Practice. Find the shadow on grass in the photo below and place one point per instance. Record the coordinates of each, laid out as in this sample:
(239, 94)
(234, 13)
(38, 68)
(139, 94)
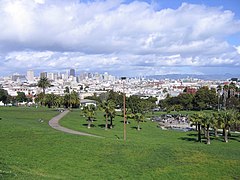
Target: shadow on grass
(86, 125)
(188, 139)
(127, 122)
(135, 127)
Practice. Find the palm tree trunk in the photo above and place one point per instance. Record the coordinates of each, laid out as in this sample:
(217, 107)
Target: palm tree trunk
(225, 135)
(89, 123)
(111, 122)
(204, 132)
(215, 132)
(138, 127)
(208, 137)
(106, 125)
(199, 132)
(229, 131)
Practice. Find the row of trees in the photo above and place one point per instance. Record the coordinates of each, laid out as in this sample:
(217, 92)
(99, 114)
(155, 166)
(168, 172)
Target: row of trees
(136, 108)
(53, 100)
(7, 99)
(223, 98)
(225, 120)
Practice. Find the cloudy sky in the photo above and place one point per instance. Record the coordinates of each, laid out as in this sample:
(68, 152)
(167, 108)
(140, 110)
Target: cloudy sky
(122, 37)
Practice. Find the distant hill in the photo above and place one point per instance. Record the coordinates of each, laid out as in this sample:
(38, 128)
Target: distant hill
(203, 77)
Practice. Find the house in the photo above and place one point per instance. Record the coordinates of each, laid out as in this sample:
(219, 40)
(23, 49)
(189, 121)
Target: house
(86, 102)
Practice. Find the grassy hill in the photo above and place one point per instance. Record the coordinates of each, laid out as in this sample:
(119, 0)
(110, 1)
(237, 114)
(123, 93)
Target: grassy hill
(30, 149)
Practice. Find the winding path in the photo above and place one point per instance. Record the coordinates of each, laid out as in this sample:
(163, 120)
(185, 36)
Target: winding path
(54, 123)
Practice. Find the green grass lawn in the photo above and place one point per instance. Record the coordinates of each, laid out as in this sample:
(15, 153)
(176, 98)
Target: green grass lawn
(30, 149)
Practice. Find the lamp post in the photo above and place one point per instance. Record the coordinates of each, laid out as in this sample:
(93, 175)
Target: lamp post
(124, 111)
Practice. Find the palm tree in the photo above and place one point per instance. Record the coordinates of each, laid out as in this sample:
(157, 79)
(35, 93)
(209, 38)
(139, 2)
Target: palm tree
(225, 96)
(89, 112)
(207, 122)
(67, 99)
(74, 99)
(215, 123)
(227, 118)
(109, 108)
(50, 100)
(196, 119)
(40, 99)
(219, 90)
(59, 101)
(43, 83)
(139, 118)
(112, 114)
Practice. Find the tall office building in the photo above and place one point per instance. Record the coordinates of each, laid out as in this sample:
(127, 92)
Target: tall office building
(30, 75)
(72, 72)
(43, 75)
(50, 76)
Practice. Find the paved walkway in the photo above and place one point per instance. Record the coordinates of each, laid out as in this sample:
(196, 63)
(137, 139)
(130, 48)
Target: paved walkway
(54, 123)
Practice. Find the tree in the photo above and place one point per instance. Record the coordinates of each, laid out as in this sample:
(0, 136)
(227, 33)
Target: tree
(59, 101)
(219, 90)
(109, 108)
(21, 97)
(74, 99)
(43, 83)
(50, 100)
(89, 112)
(196, 119)
(227, 118)
(40, 99)
(215, 122)
(206, 123)
(139, 118)
(67, 100)
(4, 96)
(205, 98)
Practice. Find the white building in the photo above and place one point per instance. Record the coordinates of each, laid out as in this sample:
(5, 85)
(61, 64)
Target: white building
(30, 75)
(50, 76)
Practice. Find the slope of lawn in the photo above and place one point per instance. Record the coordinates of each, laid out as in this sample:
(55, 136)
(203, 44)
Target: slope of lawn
(30, 149)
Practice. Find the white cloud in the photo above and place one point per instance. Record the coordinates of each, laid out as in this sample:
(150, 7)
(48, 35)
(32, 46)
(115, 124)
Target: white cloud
(60, 34)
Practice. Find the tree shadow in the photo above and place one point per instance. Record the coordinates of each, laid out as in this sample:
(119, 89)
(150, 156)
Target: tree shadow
(86, 125)
(235, 138)
(188, 139)
(127, 122)
(102, 125)
(135, 127)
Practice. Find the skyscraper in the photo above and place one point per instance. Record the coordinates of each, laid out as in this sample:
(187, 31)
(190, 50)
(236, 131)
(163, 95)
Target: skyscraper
(30, 75)
(43, 75)
(72, 72)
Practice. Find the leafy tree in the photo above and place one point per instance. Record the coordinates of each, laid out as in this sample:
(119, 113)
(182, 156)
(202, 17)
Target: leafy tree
(67, 90)
(205, 98)
(21, 97)
(3, 96)
(185, 100)
(43, 83)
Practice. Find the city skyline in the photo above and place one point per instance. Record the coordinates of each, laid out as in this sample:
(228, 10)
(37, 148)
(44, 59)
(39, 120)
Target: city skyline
(124, 38)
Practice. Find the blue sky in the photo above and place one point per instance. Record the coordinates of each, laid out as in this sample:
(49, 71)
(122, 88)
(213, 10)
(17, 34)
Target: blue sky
(131, 38)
